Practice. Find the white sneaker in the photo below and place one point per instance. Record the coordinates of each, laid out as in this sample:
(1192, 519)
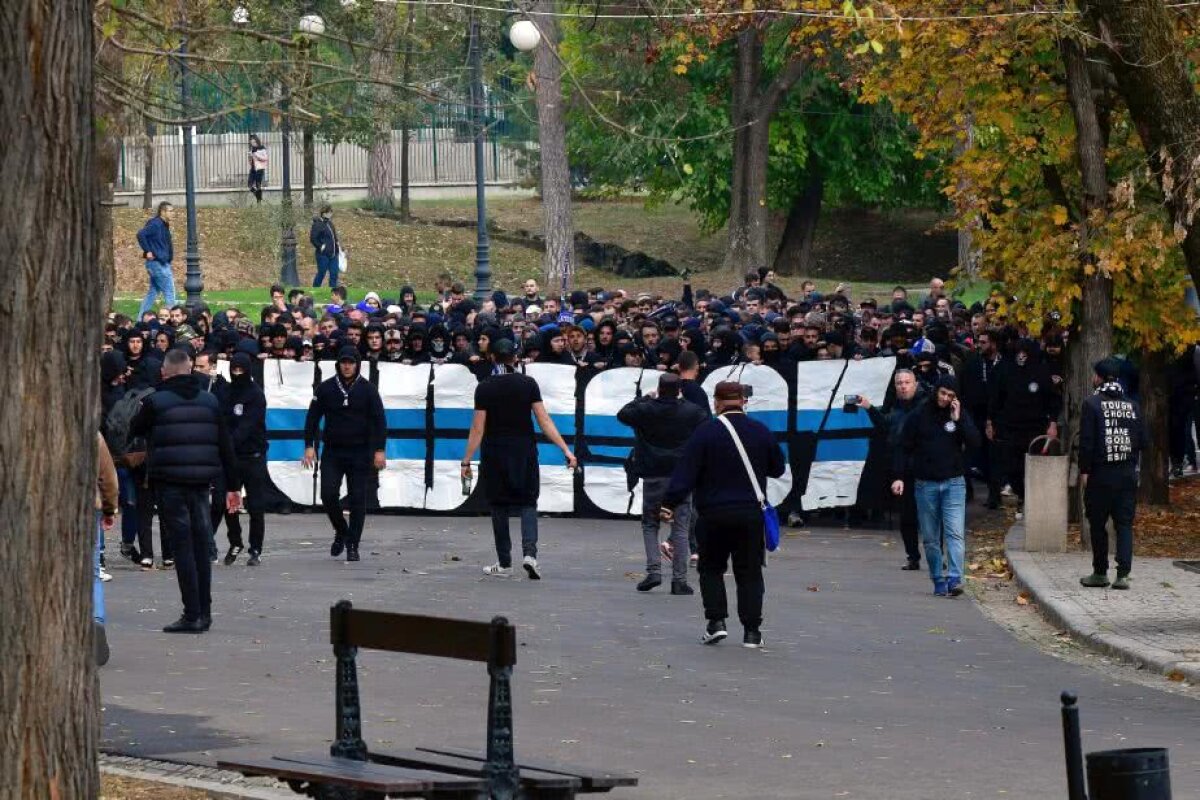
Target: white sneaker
(1007, 491)
(1020, 516)
(147, 563)
(497, 571)
(531, 568)
(105, 576)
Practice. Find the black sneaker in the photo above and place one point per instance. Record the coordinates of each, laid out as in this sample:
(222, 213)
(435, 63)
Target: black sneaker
(184, 625)
(131, 552)
(352, 553)
(337, 547)
(168, 563)
(681, 587)
(912, 565)
(254, 560)
(205, 622)
(235, 550)
(752, 639)
(649, 582)
(715, 632)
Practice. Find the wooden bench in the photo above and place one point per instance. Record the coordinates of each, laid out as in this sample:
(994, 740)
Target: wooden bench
(351, 772)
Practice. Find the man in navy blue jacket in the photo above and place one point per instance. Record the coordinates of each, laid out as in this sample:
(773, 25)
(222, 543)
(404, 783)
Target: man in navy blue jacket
(155, 241)
(730, 521)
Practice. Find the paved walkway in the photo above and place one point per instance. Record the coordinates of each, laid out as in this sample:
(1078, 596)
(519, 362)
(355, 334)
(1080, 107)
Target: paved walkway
(869, 687)
(1156, 623)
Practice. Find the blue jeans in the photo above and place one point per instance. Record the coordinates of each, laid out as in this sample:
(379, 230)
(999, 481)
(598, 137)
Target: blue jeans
(942, 513)
(127, 492)
(97, 586)
(161, 281)
(529, 532)
(327, 265)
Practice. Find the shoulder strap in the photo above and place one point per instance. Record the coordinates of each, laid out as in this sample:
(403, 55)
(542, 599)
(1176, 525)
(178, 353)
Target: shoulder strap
(737, 442)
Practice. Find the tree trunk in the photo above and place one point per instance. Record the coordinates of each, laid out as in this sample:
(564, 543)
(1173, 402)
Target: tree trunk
(379, 156)
(148, 167)
(1092, 338)
(310, 165)
(1151, 66)
(552, 140)
(794, 256)
(109, 116)
(752, 108)
(49, 698)
(1154, 488)
(405, 128)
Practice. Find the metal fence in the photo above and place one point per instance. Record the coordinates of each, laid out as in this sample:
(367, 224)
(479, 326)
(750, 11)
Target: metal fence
(439, 154)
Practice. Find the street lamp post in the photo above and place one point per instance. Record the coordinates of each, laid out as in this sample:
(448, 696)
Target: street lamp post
(288, 274)
(194, 283)
(483, 266)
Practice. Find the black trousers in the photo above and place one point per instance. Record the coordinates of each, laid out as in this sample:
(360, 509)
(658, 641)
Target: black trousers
(1018, 441)
(909, 527)
(355, 465)
(183, 515)
(1118, 503)
(733, 533)
(146, 499)
(255, 477)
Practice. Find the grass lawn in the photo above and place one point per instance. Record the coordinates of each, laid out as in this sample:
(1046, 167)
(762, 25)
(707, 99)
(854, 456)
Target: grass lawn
(239, 249)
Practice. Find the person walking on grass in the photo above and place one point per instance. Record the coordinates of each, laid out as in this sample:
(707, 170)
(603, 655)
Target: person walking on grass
(1111, 438)
(154, 239)
(502, 429)
(730, 524)
(324, 238)
(931, 454)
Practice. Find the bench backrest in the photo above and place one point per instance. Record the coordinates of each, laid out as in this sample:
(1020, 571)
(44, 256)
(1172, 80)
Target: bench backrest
(494, 643)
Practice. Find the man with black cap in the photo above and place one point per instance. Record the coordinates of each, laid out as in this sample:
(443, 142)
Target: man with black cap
(245, 410)
(1111, 437)
(662, 423)
(354, 438)
(931, 451)
(189, 449)
(730, 525)
(509, 459)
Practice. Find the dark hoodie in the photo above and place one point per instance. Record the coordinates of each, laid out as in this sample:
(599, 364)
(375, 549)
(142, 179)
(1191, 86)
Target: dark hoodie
(189, 444)
(414, 354)
(1024, 396)
(245, 410)
(606, 353)
(1112, 436)
(112, 366)
(352, 411)
(726, 349)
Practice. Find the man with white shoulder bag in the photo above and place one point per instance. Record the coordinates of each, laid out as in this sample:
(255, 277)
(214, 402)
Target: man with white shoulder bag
(732, 508)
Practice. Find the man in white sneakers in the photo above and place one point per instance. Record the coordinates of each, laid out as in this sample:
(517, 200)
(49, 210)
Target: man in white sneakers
(508, 464)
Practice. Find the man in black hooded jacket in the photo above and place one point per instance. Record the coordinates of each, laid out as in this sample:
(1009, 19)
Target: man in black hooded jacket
(1025, 403)
(245, 409)
(354, 437)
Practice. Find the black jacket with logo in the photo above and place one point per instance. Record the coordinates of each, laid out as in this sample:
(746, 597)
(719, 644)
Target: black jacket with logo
(1111, 438)
(931, 444)
(663, 427)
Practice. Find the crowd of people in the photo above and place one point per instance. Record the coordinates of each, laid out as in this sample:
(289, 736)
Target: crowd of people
(989, 386)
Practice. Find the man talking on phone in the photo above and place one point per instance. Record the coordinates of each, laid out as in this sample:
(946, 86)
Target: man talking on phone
(931, 453)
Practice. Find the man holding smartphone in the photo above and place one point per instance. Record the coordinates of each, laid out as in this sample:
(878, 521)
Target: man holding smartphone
(932, 446)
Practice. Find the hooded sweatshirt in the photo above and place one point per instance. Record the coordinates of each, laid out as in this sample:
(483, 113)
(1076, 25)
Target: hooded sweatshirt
(245, 410)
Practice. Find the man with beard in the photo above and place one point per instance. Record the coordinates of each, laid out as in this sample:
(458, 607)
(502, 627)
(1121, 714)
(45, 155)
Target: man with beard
(931, 451)
(245, 411)
(662, 423)
(394, 346)
(1111, 438)
(509, 459)
(909, 395)
(354, 438)
(1024, 405)
(190, 448)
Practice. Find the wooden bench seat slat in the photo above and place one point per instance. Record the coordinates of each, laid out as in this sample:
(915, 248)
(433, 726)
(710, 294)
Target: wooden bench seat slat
(592, 779)
(435, 780)
(344, 773)
(530, 779)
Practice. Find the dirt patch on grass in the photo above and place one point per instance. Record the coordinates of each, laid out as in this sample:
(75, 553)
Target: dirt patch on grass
(117, 787)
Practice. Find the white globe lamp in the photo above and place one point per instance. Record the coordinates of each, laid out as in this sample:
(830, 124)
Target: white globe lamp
(524, 35)
(312, 25)
(241, 15)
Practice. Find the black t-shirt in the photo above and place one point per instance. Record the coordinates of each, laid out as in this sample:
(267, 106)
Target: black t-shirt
(508, 400)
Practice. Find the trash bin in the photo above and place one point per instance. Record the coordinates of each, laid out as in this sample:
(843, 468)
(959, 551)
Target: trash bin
(1134, 774)
(1046, 472)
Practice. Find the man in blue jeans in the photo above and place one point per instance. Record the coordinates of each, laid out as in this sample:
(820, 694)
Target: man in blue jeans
(932, 447)
(155, 241)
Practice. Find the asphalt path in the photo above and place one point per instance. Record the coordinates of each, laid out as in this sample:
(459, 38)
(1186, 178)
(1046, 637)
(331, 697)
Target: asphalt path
(868, 686)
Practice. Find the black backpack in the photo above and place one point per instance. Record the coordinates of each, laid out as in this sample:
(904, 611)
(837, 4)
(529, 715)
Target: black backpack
(118, 421)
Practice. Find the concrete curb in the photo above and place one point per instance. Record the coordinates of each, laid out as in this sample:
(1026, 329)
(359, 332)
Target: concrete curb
(1081, 626)
(218, 784)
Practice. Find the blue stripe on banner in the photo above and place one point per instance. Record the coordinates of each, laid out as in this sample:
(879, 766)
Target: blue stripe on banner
(450, 450)
(564, 422)
(446, 418)
(775, 420)
(809, 419)
(609, 451)
(843, 449)
(285, 450)
(549, 455)
(405, 419)
(286, 419)
(406, 449)
(597, 425)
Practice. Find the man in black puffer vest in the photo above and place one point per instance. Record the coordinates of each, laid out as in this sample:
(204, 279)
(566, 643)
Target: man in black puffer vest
(189, 449)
